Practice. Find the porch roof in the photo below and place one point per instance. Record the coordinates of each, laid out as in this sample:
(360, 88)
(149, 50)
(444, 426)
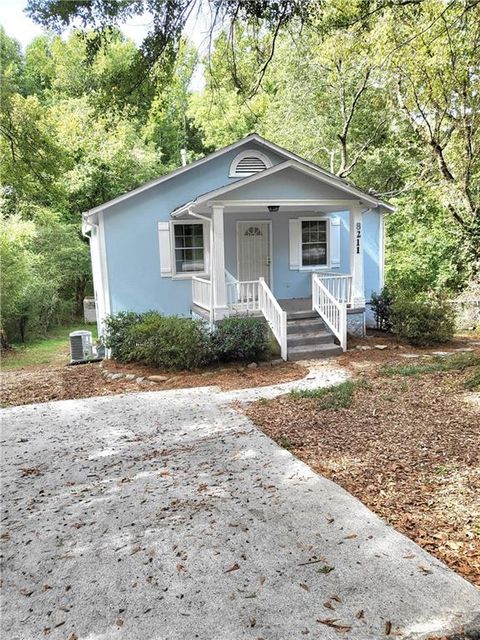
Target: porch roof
(203, 203)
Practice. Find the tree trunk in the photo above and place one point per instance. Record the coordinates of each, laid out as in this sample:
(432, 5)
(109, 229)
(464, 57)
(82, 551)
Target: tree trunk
(3, 341)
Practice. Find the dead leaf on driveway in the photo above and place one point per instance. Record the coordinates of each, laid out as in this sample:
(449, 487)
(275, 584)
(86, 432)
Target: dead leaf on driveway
(234, 567)
(341, 628)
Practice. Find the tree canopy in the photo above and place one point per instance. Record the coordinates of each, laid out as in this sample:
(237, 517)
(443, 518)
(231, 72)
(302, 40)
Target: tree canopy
(384, 93)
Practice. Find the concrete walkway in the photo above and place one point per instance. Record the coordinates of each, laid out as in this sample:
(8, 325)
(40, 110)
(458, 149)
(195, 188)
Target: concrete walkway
(168, 515)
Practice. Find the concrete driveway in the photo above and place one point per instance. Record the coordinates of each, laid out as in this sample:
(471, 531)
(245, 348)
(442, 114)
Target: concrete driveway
(168, 515)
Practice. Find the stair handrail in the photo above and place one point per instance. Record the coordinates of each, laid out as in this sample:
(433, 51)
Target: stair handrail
(332, 311)
(274, 315)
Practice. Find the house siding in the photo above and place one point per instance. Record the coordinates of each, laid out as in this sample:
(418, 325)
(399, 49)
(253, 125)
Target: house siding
(286, 283)
(131, 238)
(132, 246)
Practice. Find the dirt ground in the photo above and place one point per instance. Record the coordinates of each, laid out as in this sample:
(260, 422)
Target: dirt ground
(43, 384)
(408, 447)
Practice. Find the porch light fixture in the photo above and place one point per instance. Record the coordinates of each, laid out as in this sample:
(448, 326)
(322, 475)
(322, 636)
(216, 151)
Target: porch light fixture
(273, 208)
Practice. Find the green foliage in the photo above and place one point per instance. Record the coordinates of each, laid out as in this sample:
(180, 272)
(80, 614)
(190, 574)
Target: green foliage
(118, 335)
(284, 442)
(241, 339)
(171, 342)
(167, 342)
(381, 304)
(424, 249)
(472, 383)
(455, 362)
(44, 265)
(67, 145)
(339, 396)
(422, 321)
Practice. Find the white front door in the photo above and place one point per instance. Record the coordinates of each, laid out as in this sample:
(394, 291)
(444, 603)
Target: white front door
(254, 256)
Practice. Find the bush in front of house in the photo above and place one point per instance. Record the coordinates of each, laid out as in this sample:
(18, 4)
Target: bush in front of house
(173, 342)
(170, 342)
(118, 336)
(422, 321)
(242, 338)
(381, 304)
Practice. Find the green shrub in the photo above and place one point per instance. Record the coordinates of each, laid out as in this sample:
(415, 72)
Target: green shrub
(381, 304)
(240, 339)
(118, 336)
(168, 342)
(422, 322)
(171, 342)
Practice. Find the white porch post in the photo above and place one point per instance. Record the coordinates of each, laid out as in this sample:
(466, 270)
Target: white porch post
(218, 264)
(356, 256)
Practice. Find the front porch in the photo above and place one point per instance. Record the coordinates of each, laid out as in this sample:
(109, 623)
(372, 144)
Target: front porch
(295, 322)
(272, 255)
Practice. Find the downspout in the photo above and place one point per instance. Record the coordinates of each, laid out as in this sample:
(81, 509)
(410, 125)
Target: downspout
(198, 215)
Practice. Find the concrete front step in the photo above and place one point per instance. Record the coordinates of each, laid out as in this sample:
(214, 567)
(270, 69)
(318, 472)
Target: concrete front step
(312, 337)
(307, 325)
(311, 352)
(299, 315)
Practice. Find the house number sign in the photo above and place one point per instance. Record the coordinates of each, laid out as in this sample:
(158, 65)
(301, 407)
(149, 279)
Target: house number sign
(358, 235)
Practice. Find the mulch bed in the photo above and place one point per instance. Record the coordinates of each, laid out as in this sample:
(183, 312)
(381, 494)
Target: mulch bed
(43, 384)
(409, 448)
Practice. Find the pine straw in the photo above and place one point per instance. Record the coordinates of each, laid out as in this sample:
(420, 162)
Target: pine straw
(43, 384)
(406, 447)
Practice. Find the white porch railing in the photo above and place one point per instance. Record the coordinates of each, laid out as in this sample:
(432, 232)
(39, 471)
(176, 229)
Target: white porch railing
(332, 311)
(274, 315)
(339, 285)
(201, 292)
(242, 297)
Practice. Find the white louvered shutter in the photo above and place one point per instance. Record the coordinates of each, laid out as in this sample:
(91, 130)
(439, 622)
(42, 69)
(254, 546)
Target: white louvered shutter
(335, 242)
(294, 228)
(165, 249)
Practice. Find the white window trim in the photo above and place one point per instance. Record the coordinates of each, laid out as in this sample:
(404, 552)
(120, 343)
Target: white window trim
(247, 154)
(318, 267)
(206, 250)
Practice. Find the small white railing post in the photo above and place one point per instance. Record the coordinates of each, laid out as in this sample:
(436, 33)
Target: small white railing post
(274, 315)
(339, 285)
(201, 290)
(331, 309)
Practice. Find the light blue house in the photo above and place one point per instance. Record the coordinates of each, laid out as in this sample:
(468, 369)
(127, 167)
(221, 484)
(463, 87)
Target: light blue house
(249, 229)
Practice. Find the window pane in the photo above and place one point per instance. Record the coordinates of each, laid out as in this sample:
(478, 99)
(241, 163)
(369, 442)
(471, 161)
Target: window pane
(314, 243)
(314, 254)
(189, 249)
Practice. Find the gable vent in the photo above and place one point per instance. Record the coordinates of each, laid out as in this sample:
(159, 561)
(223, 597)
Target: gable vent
(248, 163)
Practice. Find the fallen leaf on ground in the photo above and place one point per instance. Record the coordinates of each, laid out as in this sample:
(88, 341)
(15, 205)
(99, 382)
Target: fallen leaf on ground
(335, 625)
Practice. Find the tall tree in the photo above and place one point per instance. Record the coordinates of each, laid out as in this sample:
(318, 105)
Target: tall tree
(436, 67)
